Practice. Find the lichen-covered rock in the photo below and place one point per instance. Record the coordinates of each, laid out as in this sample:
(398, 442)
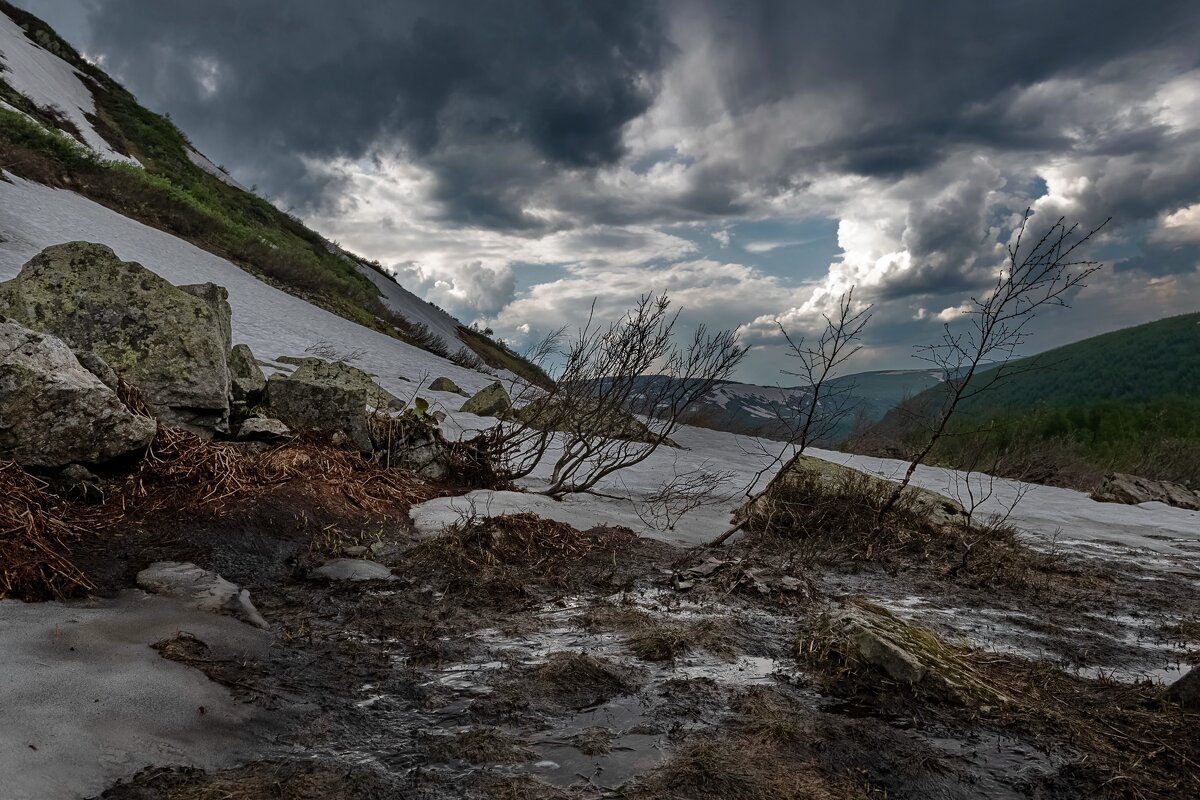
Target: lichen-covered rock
(1118, 487)
(246, 378)
(98, 367)
(446, 385)
(53, 412)
(200, 589)
(304, 402)
(339, 373)
(170, 342)
(490, 401)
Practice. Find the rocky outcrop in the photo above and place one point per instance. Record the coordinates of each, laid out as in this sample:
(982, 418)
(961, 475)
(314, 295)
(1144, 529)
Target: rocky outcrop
(200, 589)
(305, 402)
(446, 385)
(490, 401)
(172, 343)
(247, 380)
(53, 412)
(1118, 487)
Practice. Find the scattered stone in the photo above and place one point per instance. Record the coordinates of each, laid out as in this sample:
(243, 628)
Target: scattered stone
(262, 429)
(1186, 690)
(446, 385)
(53, 412)
(170, 342)
(490, 401)
(248, 382)
(352, 569)
(1118, 487)
(200, 589)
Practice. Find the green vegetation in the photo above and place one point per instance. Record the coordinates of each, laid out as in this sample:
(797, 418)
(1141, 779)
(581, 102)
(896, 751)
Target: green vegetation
(1126, 401)
(174, 195)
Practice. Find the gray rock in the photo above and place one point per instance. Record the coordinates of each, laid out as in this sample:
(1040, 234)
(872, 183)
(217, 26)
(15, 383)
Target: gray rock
(200, 589)
(170, 342)
(1186, 690)
(263, 429)
(339, 373)
(872, 642)
(353, 569)
(99, 367)
(247, 379)
(307, 403)
(446, 385)
(411, 443)
(53, 412)
(490, 401)
(1118, 487)
(357, 551)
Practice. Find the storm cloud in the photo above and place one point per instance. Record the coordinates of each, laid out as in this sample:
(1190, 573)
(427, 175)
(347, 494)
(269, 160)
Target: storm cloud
(515, 159)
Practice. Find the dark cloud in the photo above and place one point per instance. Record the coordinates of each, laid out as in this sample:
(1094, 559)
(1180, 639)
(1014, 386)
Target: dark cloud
(264, 83)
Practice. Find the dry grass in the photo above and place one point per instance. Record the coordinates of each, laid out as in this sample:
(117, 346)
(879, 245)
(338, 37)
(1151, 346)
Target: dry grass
(566, 673)
(36, 532)
(501, 556)
(739, 768)
(666, 641)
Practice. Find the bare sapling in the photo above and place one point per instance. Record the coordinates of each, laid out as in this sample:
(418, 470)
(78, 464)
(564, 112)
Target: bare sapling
(634, 364)
(977, 358)
(825, 404)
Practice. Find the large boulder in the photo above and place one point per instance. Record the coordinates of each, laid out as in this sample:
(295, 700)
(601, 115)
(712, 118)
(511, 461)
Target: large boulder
(304, 402)
(490, 401)
(339, 373)
(247, 379)
(1118, 487)
(54, 412)
(170, 342)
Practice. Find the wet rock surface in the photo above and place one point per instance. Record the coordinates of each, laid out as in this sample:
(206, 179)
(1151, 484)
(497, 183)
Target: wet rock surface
(1130, 489)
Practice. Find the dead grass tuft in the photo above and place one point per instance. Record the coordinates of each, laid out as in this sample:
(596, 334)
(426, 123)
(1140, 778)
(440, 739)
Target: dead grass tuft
(36, 532)
(477, 746)
(739, 768)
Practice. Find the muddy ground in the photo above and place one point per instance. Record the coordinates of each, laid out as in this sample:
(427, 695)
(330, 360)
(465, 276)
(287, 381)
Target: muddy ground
(523, 659)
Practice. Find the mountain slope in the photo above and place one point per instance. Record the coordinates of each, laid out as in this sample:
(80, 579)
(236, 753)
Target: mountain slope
(1127, 400)
(64, 123)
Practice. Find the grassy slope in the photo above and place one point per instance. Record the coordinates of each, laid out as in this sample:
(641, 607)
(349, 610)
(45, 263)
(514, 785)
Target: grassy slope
(1127, 400)
(176, 196)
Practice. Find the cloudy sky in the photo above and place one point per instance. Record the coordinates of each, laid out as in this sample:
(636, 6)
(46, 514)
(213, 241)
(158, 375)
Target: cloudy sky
(514, 160)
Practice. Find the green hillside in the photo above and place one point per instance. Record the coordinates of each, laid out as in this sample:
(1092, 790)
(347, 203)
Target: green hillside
(171, 193)
(1127, 401)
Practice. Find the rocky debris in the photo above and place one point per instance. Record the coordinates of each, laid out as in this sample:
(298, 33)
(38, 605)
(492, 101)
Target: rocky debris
(490, 401)
(352, 569)
(301, 401)
(1118, 487)
(1186, 690)
(870, 636)
(200, 589)
(53, 412)
(262, 429)
(247, 381)
(446, 385)
(171, 342)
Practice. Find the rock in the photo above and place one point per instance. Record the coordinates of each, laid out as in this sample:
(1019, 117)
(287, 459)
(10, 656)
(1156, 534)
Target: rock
(262, 429)
(247, 381)
(170, 342)
(1186, 690)
(871, 637)
(53, 412)
(357, 551)
(99, 367)
(301, 403)
(490, 401)
(352, 569)
(411, 443)
(446, 385)
(1118, 487)
(200, 589)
